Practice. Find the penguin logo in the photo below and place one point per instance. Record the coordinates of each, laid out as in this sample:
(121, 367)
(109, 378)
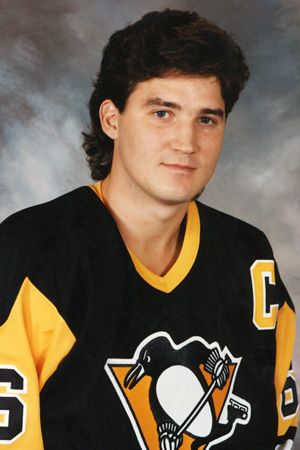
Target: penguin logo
(179, 396)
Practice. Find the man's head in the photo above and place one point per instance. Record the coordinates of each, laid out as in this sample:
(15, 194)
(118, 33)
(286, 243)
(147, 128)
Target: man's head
(157, 46)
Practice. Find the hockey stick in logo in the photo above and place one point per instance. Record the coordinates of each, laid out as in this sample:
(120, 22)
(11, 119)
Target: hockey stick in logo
(217, 366)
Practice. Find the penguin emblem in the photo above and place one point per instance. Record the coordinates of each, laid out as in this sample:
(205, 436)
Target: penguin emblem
(179, 396)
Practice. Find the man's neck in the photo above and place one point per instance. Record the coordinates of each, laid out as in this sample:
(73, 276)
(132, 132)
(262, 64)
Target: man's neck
(150, 229)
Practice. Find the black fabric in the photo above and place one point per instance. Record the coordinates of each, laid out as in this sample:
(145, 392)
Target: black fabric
(71, 250)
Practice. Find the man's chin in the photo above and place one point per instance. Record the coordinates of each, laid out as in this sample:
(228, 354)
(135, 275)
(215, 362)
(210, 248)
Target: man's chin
(185, 197)
(179, 199)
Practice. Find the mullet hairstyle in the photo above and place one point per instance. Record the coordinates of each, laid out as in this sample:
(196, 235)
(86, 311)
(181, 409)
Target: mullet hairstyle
(159, 44)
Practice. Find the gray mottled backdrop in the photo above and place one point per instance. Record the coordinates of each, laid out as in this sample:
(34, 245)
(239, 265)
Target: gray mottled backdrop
(51, 50)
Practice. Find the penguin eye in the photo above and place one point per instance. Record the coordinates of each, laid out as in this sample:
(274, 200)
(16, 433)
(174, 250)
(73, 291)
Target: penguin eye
(146, 357)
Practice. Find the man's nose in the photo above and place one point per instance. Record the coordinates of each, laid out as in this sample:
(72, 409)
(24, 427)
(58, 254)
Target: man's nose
(185, 138)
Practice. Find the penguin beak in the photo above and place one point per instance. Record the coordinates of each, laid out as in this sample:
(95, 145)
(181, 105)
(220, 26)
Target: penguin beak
(134, 375)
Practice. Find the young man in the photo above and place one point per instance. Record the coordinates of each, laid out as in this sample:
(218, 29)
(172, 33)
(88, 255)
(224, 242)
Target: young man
(141, 318)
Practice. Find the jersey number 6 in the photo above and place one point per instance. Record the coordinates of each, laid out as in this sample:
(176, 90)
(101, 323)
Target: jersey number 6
(12, 407)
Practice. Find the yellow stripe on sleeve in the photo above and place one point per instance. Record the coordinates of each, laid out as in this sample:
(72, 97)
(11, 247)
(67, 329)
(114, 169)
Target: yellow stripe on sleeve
(286, 397)
(33, 341)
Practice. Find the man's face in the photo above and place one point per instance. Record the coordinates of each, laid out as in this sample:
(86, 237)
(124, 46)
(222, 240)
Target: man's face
(169, 137)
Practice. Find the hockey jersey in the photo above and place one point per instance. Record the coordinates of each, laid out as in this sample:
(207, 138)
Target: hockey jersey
(99, 353)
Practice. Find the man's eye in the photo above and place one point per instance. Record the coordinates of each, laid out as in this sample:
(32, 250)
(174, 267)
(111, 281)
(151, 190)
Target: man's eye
(206, 120)
(162, 114)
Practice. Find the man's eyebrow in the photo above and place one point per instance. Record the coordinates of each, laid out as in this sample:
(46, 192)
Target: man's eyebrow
(216, 112)
(157, 101)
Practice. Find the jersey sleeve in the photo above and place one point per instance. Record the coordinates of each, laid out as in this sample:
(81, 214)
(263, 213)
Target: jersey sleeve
(285, 383)
(34, 338)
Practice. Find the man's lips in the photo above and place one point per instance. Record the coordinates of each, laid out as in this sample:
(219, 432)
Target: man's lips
(178, 167)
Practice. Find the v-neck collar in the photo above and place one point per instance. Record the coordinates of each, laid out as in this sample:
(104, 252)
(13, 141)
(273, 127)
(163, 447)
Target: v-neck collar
(186, 258)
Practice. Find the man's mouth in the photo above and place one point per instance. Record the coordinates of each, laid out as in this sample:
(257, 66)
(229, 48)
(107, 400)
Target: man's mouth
(179, 167)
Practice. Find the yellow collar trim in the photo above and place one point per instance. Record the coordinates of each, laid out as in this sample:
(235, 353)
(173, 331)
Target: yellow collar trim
(98, 190)
(185, 260)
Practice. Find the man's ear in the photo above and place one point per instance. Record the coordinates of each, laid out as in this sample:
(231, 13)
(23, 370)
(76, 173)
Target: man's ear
(109, 114)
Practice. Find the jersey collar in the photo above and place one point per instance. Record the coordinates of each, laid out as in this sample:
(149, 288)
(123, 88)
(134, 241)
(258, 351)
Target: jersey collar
(182, 266)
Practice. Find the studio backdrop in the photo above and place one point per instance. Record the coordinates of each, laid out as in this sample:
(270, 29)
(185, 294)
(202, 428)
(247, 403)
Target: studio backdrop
(50, 51)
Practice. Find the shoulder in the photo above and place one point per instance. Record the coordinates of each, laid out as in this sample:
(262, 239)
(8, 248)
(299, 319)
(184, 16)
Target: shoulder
(61, 212)
(48, 223)
(232, 230)
(30, 238)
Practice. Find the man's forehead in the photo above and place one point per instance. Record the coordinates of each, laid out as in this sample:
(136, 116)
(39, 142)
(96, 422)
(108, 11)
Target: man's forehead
(179, 92)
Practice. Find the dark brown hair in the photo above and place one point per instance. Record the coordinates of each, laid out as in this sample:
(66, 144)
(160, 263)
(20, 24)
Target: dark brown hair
(160, 43)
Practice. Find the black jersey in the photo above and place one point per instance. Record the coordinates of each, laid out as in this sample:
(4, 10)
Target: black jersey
(98, 353)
